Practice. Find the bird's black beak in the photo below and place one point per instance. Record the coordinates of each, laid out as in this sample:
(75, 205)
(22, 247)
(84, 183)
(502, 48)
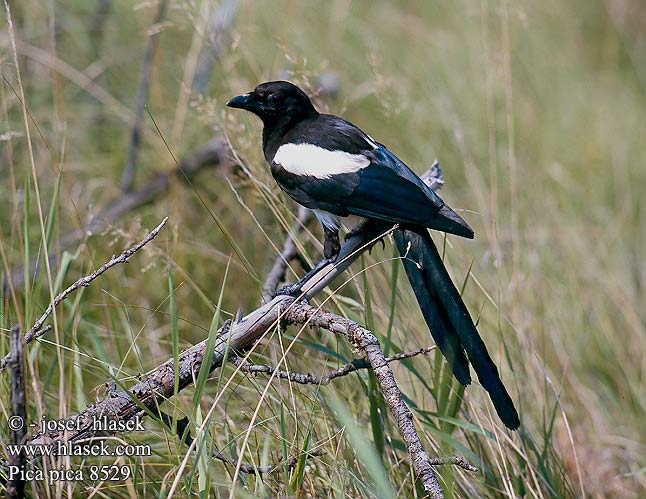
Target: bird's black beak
(248, 101)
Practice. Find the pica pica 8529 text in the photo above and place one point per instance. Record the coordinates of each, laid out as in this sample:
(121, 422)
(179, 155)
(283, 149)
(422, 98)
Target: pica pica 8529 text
(332, 167)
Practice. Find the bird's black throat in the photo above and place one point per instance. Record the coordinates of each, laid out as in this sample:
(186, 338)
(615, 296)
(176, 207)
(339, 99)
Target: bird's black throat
(275, 128)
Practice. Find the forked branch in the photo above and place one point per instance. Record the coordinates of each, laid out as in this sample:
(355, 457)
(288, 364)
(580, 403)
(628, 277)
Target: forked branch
(159, 384)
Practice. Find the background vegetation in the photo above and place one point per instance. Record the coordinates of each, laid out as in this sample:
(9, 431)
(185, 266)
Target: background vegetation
(537, 112)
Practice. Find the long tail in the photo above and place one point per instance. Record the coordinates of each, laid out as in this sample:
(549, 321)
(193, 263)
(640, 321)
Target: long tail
(449, 321)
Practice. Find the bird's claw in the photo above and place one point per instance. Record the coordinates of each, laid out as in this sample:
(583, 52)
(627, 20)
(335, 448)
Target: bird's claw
(354, 232)
(294, 290)
(383, 245)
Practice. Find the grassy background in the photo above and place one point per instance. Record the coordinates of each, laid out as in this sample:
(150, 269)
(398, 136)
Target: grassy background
(537, 112)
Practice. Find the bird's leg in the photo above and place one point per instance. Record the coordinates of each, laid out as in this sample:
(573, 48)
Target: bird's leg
(331, 244)
(331, 249)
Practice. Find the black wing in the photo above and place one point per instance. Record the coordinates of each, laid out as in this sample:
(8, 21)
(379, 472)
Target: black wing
(330, 132)
(388, 190)
(384, 190)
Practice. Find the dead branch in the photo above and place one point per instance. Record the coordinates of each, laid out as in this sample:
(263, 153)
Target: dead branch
(311, 379)
(455, 460)
(211, 154)
(217, 28)
(37, 329)
(16, 487)
(303, 314)
(159, 384)
(128, 175)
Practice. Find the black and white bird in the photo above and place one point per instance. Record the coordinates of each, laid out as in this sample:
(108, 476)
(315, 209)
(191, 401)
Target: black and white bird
(329, 165)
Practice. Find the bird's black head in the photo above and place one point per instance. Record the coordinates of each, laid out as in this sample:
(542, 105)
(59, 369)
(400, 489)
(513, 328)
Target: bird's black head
(275, 101)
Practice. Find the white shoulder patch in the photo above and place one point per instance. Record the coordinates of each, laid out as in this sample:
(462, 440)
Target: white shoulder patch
(371, 141)
(314, 161)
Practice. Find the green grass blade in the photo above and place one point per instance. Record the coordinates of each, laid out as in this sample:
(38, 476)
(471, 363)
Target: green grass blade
(365, 452)
(299, 471)
(205, 369)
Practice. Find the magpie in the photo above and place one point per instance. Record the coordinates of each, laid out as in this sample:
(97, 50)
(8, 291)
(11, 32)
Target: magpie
(329, 165)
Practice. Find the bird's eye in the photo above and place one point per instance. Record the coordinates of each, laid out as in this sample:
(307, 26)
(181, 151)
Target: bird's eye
(273, 98)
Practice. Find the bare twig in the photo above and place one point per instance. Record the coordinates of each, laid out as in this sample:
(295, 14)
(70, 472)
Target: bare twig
(262, 470)
(300, 378)
(128, 175)
(159, 384)
(304, 314)
(433, 176)
(37, 329)
(311, 379)
(288, 253)
(217, 28)
(456, 460)
(16, 486)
